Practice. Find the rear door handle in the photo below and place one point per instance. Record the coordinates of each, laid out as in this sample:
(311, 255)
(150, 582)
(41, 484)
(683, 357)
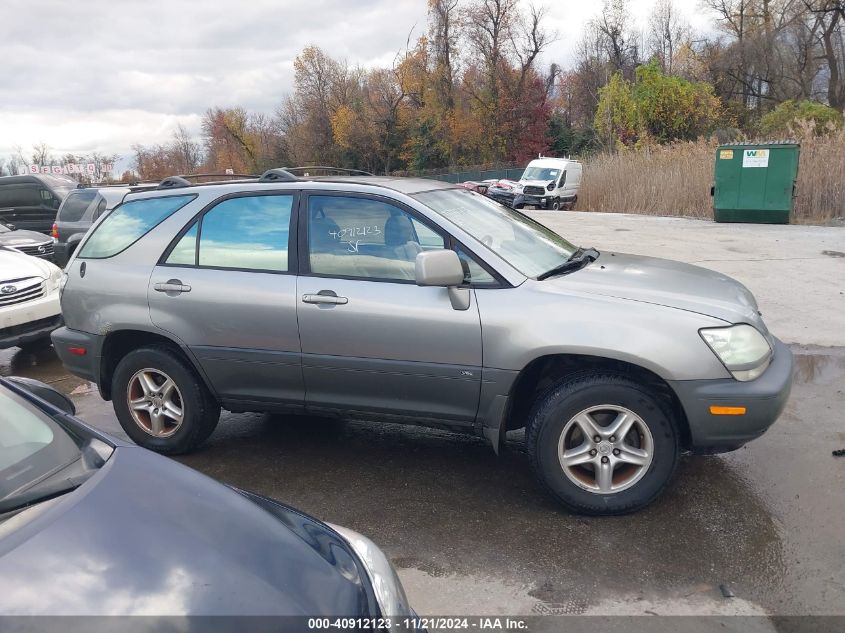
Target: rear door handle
(172, 286)
(324, 298)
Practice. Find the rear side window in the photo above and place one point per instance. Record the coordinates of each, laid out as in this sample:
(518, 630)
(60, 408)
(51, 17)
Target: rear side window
(245, 233)
(75, 204)
(128, 223)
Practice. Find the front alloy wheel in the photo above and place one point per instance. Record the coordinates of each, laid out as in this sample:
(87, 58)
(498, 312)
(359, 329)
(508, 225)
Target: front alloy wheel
(602, 443)
(605, 449)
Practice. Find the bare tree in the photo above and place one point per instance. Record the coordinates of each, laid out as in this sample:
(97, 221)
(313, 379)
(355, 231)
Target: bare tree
(489, 26)
(443, 32)
(668, 31)
(41, 155)
(619, 41)
(829, 25)
(187, 150)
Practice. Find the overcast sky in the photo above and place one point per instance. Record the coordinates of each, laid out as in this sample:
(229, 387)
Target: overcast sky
(100, 75)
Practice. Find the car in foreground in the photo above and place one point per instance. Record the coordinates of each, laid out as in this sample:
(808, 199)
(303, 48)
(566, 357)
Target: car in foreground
(416, 301)
(80, 210)
(29, 300)
(91, 525)
(27, 242)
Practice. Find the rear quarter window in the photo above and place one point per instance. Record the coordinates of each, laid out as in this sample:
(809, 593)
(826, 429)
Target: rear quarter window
(75, 205)
(128, 223)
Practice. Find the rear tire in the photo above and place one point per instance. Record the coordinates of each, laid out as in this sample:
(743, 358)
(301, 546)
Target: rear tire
(160, 401)
(615, 475)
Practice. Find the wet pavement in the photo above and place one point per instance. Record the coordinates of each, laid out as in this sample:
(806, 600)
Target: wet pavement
(473, 534)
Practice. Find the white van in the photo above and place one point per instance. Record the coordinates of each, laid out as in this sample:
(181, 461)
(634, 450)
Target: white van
(550, 183)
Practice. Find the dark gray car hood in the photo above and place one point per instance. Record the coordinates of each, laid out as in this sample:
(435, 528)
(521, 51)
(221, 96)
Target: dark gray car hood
(667, 283)
(147, 535)
(22, 238)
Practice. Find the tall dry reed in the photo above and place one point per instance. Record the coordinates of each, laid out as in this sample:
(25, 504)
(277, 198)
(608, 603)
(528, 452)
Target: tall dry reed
(676, 179)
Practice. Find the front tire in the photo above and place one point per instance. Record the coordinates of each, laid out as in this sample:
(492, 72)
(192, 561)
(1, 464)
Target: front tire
(556, 204)
(161, 403)
(602, 444)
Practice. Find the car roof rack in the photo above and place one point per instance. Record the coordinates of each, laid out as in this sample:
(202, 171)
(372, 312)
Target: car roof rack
(342, 170)
(278, 174)
(173, 182)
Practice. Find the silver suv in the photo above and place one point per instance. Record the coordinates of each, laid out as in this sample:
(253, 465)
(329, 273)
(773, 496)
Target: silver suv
(415, 301)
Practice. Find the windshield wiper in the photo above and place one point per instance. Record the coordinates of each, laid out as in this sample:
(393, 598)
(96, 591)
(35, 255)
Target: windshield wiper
(576, 261)
(41, 492)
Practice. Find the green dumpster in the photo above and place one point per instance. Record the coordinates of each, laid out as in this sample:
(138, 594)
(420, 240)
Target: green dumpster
(755, 183)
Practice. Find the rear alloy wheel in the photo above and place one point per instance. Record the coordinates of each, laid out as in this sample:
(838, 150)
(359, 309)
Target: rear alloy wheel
(602, 443)
(155, 402)
(161, 402)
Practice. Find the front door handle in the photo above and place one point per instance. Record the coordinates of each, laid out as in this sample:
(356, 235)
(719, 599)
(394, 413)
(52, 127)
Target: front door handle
(172, 286)
(325, 297)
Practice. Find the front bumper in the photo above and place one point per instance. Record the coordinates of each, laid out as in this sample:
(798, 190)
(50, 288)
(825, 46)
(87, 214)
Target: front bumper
(538, 201)
(23, 323)
(764, 400)
(18, 335)
(85, 366)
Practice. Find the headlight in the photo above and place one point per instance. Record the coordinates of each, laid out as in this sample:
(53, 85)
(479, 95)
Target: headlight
(389, 592)
(743, 350)
(550, 186)
(54, 280)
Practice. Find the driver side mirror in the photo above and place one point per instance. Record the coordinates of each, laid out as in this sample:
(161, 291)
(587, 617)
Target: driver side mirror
(443, 268)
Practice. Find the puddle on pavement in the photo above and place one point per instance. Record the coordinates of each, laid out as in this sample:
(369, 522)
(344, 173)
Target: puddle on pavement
(819, 369)
(42, 365)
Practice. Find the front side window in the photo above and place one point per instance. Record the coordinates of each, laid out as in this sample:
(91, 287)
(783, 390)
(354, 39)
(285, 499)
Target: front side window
(128, 223)
(528, 246)
(365, 238)
(24, 196)
(250, 233)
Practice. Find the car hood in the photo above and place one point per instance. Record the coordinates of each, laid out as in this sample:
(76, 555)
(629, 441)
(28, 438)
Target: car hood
(667, 283)
(535, 183)
(146, 535)
(22, 238)
(14, 265)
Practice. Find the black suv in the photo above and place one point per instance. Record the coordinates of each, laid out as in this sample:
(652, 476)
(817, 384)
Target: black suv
(30, 202)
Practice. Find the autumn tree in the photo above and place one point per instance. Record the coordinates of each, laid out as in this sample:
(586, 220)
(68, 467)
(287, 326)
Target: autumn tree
(785, 119)
(669, 33)
(656, 107)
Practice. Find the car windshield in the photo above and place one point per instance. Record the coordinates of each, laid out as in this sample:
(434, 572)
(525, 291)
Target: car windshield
(540, 173)
(526, 245)
(32, 446)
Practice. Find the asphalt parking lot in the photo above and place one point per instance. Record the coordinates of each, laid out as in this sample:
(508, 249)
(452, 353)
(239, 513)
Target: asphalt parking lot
(473, 534)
